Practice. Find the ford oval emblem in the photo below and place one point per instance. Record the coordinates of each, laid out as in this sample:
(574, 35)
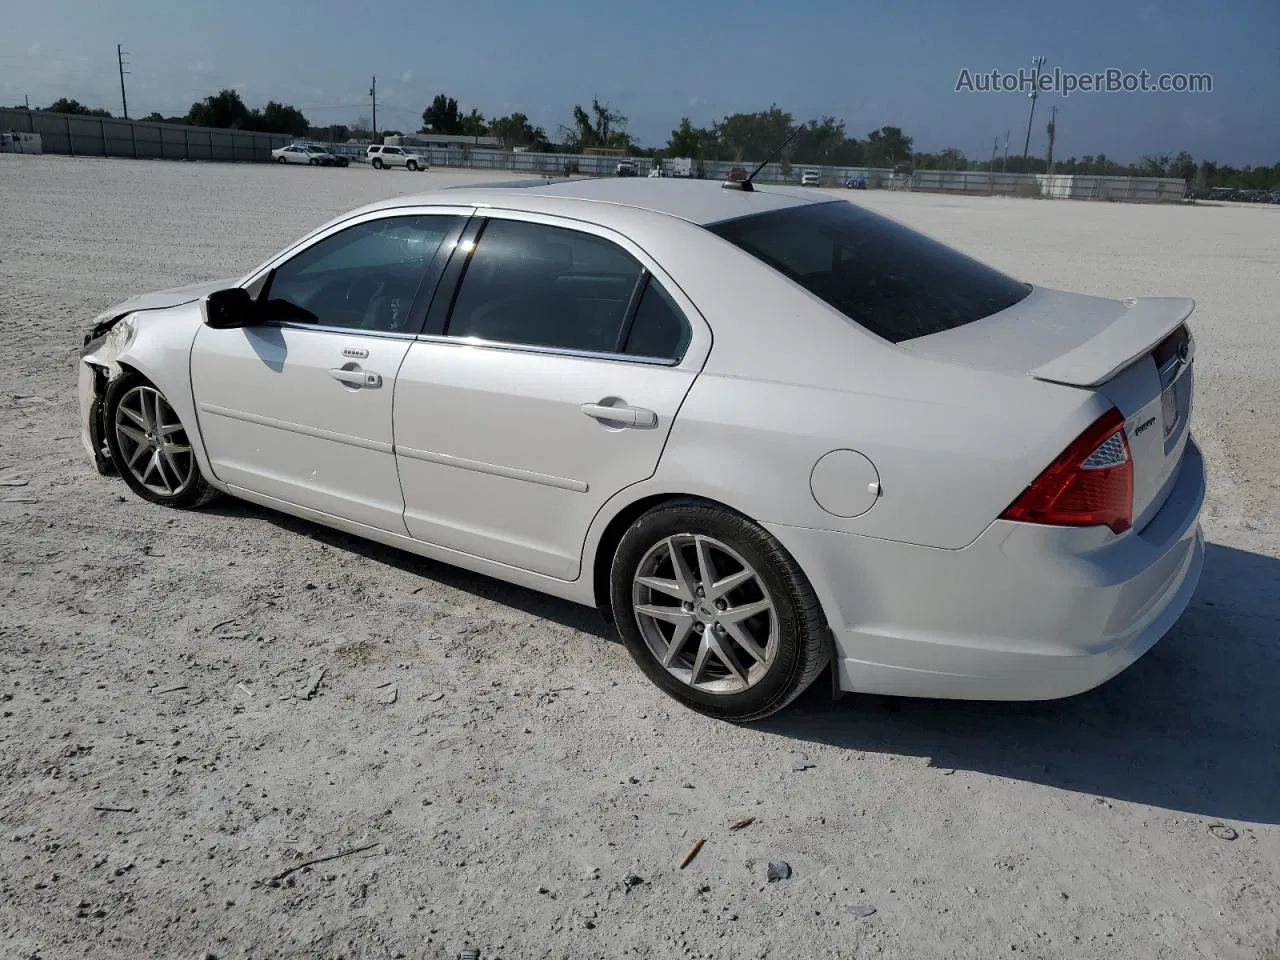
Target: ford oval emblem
(1184, 350)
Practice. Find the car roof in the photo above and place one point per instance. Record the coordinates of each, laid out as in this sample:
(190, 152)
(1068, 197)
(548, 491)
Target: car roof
(702, 202)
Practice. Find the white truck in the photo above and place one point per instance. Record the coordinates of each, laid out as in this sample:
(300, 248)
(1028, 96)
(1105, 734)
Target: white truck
(680, 167)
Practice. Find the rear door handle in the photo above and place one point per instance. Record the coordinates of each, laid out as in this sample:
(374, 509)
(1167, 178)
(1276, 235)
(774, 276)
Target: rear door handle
(357, 378)
(625, 415)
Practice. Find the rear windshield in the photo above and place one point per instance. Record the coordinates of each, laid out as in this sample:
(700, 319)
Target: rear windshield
(897, 283)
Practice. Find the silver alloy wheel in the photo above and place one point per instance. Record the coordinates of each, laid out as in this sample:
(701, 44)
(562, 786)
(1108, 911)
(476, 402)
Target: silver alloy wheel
(154, 444)
(705, 614)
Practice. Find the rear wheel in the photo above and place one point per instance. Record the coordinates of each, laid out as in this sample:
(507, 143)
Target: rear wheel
(281, 160)
(715, 612)
(377, 163)
(150, 445)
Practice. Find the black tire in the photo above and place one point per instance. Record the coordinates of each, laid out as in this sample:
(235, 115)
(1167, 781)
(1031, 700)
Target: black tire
(802, 650)
(194, 492)
(412, 165)
(282, 160)
(313, 162)
(377, 163)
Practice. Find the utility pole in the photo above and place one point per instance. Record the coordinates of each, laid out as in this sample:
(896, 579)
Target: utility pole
(995, 145)
(1052, 131)
(373, 94)
(120, 60)
(1036, 63)
(1004, 164)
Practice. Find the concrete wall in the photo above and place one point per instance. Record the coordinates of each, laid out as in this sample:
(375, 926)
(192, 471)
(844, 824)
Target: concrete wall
(102, 137)
(105, 137)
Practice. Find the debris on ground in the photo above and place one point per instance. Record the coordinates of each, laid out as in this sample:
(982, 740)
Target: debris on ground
(778, 870)
(862, 910)
(388, 696)
(174, 689)
(692, 852)
(275, 880)
(800, 762)
(632, 880)
(1223, 832)
(742, 824)
(308, 689)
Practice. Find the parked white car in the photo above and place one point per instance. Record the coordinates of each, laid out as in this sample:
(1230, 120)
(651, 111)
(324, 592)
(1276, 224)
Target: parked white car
(307, 153)
(811, 178)
(764, 432)
(384, 158)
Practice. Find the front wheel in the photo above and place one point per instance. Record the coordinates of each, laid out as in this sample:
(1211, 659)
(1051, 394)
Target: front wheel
(150, 446)
(412, 165)
(716, 612)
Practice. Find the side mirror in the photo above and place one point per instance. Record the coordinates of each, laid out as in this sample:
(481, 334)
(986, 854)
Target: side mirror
(228, 309)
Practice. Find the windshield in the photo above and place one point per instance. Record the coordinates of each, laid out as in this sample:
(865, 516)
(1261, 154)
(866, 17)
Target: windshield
(897, 283)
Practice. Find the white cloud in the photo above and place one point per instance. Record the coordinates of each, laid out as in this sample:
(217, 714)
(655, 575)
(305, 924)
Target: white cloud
(34, 49)
(406, 76)
(693, 101)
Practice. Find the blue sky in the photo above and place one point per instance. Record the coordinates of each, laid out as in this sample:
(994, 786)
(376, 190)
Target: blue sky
(658, 60)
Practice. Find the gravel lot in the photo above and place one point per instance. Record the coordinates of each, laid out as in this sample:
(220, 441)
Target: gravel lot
(492, 754)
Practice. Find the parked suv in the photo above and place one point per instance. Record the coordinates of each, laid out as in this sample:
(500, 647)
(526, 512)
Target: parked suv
(383, 158)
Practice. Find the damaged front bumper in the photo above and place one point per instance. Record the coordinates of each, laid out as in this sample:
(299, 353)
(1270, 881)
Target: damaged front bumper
(104, 342)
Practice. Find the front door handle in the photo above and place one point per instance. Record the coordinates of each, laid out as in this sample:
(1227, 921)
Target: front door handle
(623, 414)
(357, 378)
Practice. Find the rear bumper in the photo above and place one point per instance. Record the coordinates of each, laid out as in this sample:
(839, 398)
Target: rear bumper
(1023, 613)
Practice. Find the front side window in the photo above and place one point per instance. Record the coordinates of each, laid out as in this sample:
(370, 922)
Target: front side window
(897, 283)
(363, 278)
(536, 285)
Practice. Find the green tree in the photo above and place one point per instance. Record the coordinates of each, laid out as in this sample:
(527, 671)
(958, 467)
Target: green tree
(473, 124)
(687, 140)
(888, 146)
(516, 131)
(225, 109)
(753, 136)
(442, 116)
(603, 127)
(64, 105)
(278, 118)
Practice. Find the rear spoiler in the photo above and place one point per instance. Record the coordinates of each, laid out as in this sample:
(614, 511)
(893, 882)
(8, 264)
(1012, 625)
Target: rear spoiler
(1134, 333)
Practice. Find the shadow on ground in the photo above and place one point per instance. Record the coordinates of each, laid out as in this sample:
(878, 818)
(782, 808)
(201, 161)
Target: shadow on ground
(535, 604)
(1193, 726)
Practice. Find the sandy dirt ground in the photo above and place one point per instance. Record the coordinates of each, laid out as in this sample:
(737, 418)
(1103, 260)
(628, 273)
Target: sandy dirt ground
(494, 768)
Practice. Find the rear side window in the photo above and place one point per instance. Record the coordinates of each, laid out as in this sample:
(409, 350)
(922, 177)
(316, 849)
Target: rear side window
(658, 329)
(897, 283)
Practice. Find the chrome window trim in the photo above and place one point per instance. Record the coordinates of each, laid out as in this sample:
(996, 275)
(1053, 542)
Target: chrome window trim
(548, 351)
(328, 328)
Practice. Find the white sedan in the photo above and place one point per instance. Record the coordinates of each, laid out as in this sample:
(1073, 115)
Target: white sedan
(765, 433)
(301, 153)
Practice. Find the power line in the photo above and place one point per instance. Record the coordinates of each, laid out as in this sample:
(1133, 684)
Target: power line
(124, 103)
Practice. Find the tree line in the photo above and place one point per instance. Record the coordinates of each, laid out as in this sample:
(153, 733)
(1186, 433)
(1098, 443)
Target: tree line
(738, 137)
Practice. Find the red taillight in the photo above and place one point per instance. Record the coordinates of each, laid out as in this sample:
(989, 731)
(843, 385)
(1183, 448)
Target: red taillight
(1090, 484)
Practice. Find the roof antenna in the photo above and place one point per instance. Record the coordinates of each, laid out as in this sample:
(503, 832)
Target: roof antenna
(746, 184)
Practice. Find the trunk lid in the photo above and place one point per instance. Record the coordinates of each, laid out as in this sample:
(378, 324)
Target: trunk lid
(1137, 354)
